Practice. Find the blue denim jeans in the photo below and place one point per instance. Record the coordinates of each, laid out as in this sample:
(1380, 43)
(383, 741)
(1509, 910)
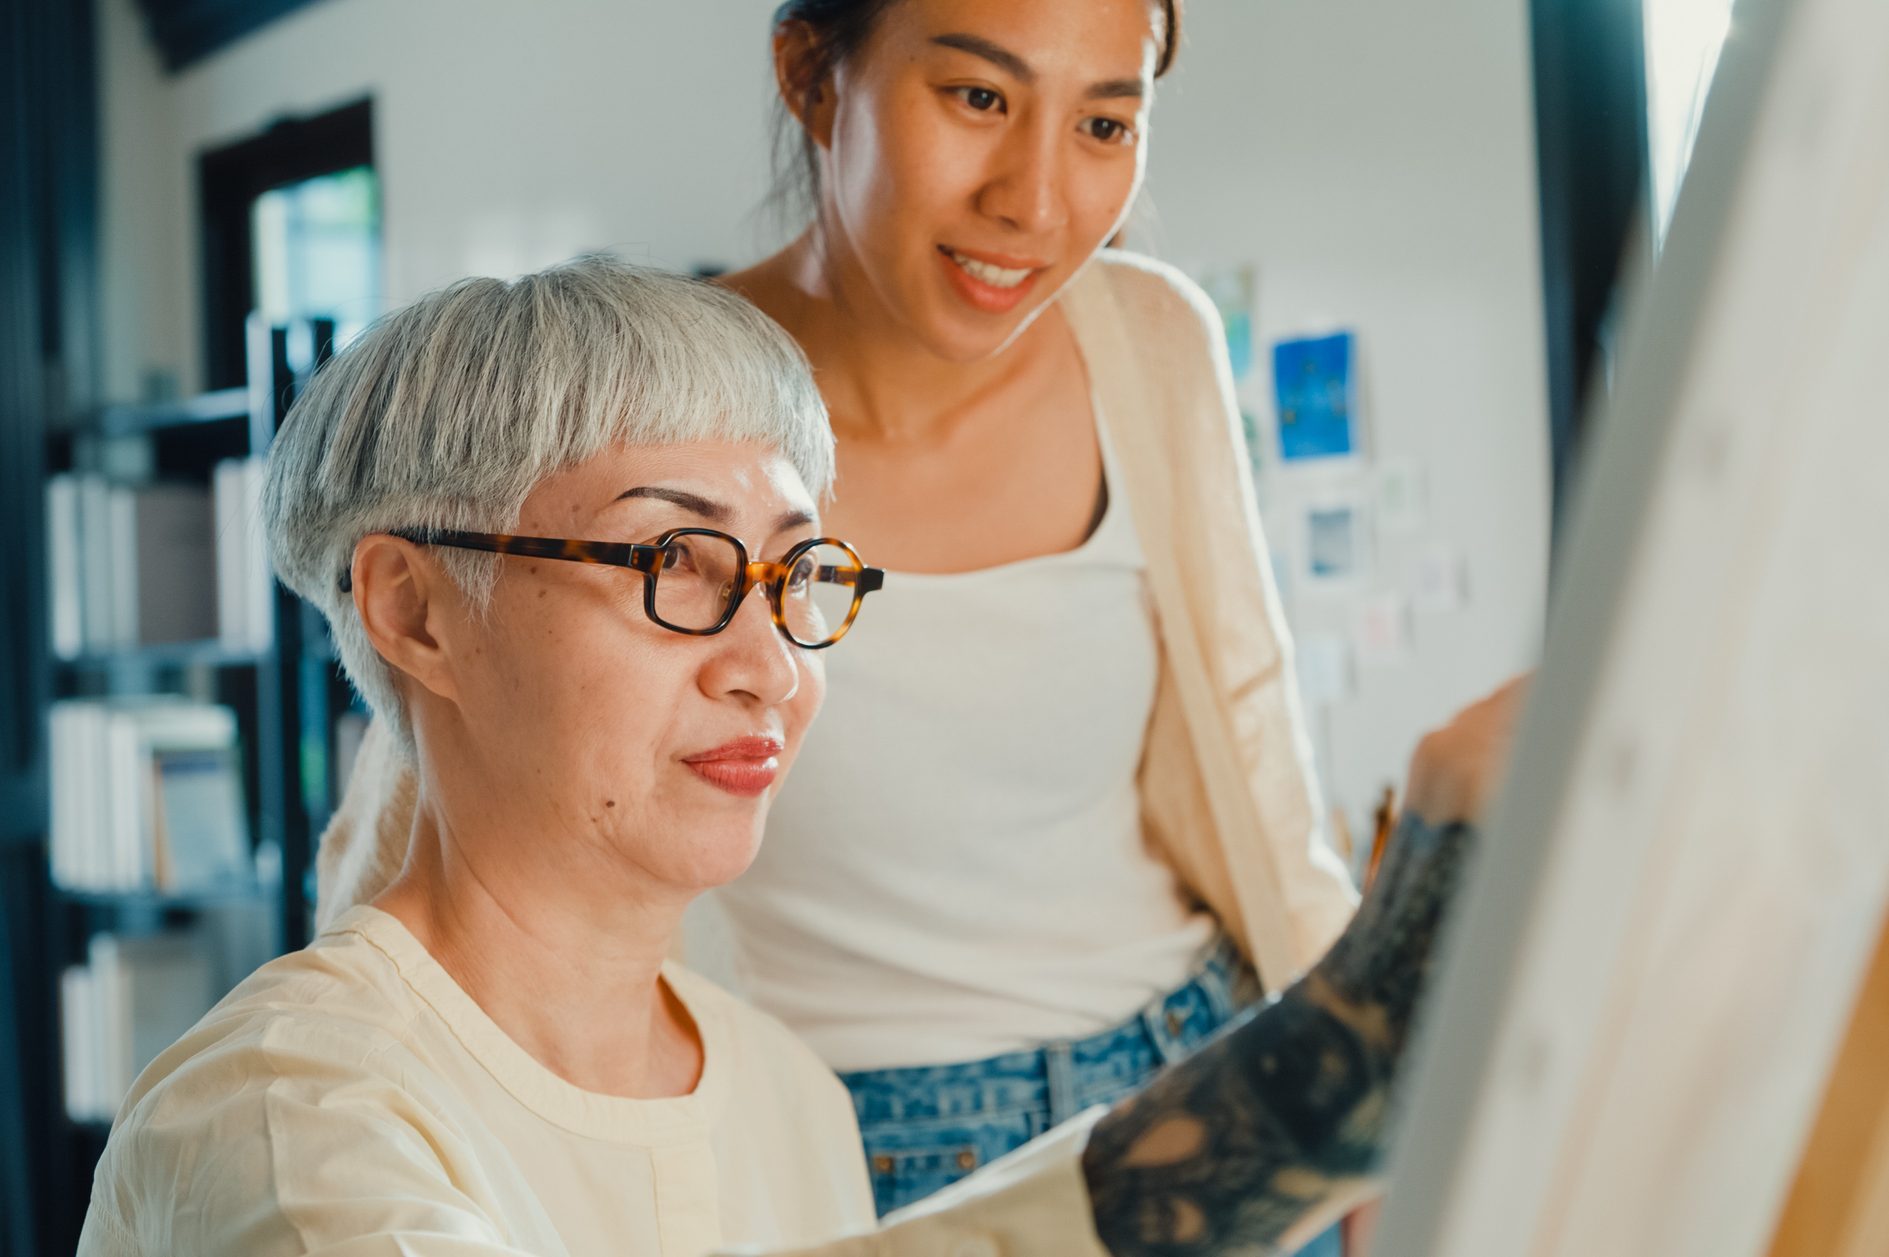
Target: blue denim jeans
(927, 1126)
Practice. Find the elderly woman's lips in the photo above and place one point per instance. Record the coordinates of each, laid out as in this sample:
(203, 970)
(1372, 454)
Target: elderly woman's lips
(754, 746)
(745, 766)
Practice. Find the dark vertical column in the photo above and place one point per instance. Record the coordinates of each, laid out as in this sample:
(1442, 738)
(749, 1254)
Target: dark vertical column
(1590, 113)
(278, 689)
(48, 247)
(294, 726)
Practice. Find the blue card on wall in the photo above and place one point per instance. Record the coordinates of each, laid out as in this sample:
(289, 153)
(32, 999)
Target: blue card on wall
(1313, 387)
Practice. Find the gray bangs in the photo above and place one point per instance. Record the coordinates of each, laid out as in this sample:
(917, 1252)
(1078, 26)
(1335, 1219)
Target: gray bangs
(446, 414)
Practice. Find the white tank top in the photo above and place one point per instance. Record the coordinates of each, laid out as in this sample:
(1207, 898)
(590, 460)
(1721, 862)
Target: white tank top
(956, 867)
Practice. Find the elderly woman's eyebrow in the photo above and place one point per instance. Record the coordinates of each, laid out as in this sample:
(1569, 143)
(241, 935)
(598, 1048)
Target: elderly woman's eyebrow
(707, 508)
(694, 503)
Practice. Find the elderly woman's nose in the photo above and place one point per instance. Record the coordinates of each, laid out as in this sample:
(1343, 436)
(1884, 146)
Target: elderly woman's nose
(753, 657)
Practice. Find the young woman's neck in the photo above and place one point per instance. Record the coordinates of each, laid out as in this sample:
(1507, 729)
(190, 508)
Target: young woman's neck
(879, 380)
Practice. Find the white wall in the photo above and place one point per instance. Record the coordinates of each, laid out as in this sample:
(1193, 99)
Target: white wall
(1373, 161)
(507, 136)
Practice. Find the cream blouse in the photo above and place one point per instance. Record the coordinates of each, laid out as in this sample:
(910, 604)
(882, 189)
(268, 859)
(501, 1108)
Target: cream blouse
(352, 1099)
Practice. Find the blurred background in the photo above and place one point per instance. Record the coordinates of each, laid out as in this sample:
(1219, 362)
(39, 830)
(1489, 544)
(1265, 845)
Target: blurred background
(1425, 204)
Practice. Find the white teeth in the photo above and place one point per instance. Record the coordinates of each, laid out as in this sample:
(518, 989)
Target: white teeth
(995, 276)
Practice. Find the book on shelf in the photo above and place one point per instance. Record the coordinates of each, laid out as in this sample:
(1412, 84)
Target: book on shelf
(133, 997)
(65, 575)
(98, 622)
(245, 585)
(147, 796)
(156, 564)
(165, 567)
(130, 565)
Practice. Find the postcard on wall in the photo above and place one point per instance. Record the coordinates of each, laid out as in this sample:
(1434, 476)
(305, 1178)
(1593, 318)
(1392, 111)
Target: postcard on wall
(1325, 674)
(1439, 578)
(1334, 544)
(1402, 496)
(1315, 393)
(1382, 631)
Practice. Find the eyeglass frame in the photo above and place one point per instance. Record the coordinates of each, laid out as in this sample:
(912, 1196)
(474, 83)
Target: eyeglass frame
(647, 558)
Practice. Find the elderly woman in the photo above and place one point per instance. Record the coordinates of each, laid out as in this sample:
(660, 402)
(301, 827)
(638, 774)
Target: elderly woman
(494, 1056)
(534, 514)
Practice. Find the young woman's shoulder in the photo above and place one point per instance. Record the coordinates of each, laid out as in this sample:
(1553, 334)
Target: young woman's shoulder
(1157, 299)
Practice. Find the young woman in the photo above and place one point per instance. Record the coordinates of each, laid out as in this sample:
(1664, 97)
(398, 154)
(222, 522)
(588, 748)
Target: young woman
(1064, 810)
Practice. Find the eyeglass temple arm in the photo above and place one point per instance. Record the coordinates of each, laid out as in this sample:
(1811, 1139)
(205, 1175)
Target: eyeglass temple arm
(639, 558)
(864, 579)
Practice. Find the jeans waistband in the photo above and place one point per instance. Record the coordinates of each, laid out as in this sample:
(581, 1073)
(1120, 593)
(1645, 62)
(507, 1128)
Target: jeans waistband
(1065, 1075)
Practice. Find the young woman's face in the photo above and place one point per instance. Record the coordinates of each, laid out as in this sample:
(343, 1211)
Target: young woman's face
(975, 153)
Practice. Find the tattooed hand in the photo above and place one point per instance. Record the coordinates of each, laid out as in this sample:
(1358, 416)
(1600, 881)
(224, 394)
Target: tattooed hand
(1225, 1152)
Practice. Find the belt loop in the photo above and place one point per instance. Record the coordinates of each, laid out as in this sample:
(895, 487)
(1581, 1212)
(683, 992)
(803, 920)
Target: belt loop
(1059, 1065)
(1216, 979)
(1154, 1020)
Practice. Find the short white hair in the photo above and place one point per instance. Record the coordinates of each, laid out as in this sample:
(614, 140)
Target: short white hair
(448, 413)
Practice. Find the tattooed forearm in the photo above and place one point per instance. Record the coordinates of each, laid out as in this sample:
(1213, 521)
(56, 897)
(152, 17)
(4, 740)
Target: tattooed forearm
(1226, 1151)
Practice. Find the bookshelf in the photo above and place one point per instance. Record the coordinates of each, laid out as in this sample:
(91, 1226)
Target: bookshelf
(285, 698)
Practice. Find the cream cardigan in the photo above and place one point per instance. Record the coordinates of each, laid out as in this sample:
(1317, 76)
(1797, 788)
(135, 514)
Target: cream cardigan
(1227, 787)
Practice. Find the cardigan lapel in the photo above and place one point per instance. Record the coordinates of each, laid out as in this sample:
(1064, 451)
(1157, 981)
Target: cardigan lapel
(1127, 401)
(1124, 400)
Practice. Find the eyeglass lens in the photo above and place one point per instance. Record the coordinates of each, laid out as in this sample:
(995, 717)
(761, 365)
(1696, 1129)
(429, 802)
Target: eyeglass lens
(701, 574)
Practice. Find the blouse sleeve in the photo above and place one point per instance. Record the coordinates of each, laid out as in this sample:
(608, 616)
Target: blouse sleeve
(288, 1149)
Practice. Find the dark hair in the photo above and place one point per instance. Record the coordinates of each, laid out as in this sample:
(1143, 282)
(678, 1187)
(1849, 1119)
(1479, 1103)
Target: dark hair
(839, 27)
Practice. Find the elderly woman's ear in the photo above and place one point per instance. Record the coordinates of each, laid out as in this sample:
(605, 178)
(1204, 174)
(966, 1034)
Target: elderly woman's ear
(407, 606)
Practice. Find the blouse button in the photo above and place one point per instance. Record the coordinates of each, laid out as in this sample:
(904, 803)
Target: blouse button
(1174, 1023)
(882, 1164)
(967, 1160)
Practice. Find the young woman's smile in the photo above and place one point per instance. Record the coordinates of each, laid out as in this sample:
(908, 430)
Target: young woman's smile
(988, 283)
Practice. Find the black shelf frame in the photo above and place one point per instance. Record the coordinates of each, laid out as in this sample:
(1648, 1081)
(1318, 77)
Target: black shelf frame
(161, 656)
(228, 405)
(146, 902)
(290, 804)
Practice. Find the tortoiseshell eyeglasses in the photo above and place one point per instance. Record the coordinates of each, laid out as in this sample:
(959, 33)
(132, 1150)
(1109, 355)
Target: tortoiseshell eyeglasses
(695, 578)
